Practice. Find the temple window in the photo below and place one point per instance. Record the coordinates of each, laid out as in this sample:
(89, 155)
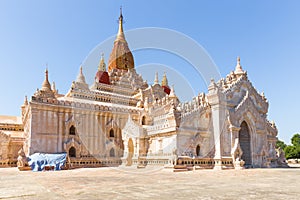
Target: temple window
(198, 150)
(143, 120)
(72, 152)
(111, 133)
(72, 130)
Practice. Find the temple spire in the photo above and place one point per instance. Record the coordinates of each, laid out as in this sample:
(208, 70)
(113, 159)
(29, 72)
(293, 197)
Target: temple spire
(102, 65)
(172, 93)
(120, 35)
(156, 79)
(120, 56)
(238, 67)
(164, 84)
(25, 101)
(173, 97)
(46, 85)
(164, 81)
(80, 77)
(54, 88)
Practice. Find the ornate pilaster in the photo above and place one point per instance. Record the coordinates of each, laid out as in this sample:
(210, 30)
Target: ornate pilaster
(217, 101)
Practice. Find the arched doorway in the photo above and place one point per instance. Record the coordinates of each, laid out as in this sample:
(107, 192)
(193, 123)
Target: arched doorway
(198, 150)
(72, 152)
(245, 144)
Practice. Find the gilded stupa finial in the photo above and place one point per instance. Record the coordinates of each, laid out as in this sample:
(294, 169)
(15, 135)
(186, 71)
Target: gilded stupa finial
(164, 81)
(102, 65)
(120, 35)
(121, 12)
(120, 56)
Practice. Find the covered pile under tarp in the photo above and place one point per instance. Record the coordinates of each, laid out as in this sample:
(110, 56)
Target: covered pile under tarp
(39, 161)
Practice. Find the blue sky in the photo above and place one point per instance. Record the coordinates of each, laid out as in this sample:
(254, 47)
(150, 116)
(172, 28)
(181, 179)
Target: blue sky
(62, 33)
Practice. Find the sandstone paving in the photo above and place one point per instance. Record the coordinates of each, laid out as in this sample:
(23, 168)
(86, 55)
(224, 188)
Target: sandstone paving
(150, 183)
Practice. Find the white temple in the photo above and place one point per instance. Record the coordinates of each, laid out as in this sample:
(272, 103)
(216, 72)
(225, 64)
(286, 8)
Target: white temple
(122, 120)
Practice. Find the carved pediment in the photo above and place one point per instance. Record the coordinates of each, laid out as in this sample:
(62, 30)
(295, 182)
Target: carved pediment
(131, 129)
(238, 92)
(72, 142)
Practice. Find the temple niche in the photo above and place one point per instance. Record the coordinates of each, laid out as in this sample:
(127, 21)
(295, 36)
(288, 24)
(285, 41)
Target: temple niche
(122, 120)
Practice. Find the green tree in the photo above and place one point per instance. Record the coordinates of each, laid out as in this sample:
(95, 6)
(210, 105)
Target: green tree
(280, 144)
(290, 152)
(296, 140)
(293, 151)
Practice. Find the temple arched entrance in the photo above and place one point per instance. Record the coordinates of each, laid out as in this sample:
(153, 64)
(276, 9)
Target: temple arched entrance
(245, 144)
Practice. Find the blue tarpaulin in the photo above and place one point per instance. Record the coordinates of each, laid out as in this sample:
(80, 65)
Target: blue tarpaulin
(39, 161)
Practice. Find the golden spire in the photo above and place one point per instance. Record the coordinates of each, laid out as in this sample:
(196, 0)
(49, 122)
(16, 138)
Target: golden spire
(102, 65)
(46, 85)
(164, 81)
(121, 35)
(120, 56)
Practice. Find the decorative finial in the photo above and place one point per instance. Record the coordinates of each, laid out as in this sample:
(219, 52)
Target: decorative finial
(121, 12)
(164, 81)
(102, 65)
(120, 35)
(80, 77)
(46, 70)
(46, 85)
(25, 100)
(212, 83)
(172, 93)
(156, 78)
(53, 86)
(238, 67)
(263, 96)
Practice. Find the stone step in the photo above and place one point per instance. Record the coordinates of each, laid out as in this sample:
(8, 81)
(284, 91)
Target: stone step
(180, 166)
(180, 170)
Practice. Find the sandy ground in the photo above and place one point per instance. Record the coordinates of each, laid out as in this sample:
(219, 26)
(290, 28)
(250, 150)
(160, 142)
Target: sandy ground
(150, 183)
